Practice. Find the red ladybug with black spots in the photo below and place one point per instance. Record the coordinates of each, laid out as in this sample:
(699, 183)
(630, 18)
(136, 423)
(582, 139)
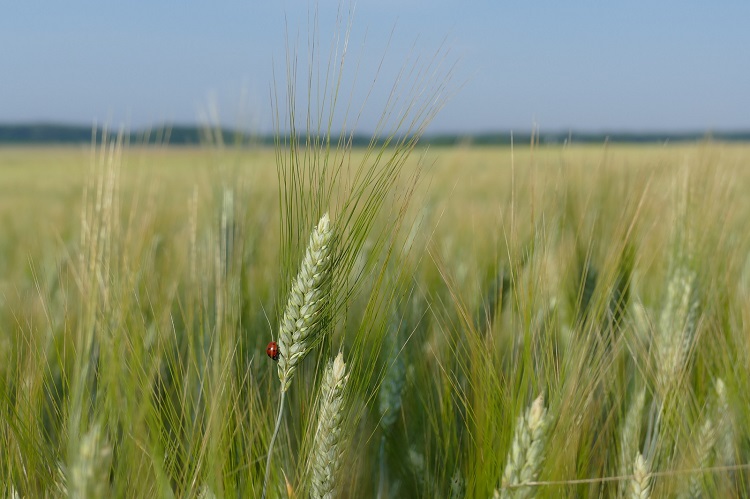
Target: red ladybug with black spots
(273, 350)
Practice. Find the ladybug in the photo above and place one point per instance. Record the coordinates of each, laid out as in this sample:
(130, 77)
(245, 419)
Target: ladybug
(273, 350)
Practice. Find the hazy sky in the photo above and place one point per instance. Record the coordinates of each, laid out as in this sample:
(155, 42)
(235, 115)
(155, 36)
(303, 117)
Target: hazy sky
(638, 65)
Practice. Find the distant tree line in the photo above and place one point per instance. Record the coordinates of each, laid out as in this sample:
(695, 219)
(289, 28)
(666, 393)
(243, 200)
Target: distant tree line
(195, 135)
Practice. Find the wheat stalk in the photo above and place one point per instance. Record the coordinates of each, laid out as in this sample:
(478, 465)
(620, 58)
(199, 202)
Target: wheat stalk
(300, 325)
(326, 448)
(527, 451)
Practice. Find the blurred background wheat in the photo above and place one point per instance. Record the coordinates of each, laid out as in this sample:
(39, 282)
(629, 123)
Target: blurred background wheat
(137, 303)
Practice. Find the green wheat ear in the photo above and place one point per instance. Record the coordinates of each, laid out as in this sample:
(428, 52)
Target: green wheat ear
(389, 395)
(527, 451)
(300, 325)
(640, 483)
(326, 449)
(677, 326)
(88, 475)
(630, 434)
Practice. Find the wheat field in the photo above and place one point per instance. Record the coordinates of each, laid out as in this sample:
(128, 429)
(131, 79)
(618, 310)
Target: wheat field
(549, 321)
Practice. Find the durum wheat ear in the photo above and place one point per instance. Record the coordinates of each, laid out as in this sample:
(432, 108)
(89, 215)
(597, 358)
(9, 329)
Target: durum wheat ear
(326, 448)
(677, 326)
(301, 321)
(725, 438)
(389, 396)
(527, 452)
(300, 325)
(88, 475)
(630, 435)
(640, 484)
(714, 440)
(704, 451)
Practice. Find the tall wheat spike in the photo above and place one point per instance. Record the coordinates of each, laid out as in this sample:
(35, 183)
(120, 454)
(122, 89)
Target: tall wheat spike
(725, 437)
(300, 324)
(714, 445)
(640, 484)
(704, 451)
(326, 449)
(88, 475)
(389, 396)
(676, 326)
(527, 451)
(630, 435)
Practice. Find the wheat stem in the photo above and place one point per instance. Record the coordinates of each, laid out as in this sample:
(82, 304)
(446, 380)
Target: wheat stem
(273, 440)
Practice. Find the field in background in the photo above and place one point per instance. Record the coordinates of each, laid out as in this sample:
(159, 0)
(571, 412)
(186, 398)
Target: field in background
(574, 272)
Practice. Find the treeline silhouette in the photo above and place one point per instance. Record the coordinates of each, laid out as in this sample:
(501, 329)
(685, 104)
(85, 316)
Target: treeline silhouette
(43, 133)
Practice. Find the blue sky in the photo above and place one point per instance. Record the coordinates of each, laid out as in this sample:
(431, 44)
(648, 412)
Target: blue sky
(639, 65)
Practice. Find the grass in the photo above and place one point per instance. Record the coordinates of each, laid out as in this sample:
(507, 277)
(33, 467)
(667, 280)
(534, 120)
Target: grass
(133, 323)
